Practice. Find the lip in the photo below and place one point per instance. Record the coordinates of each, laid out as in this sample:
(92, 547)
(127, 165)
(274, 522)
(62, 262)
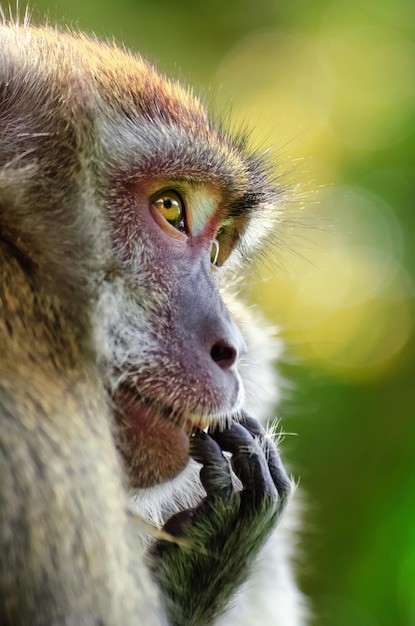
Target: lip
(131, 402)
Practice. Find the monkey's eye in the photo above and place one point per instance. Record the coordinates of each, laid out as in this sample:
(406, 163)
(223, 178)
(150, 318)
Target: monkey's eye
(171, 207)
(222, 244)
(214, 252)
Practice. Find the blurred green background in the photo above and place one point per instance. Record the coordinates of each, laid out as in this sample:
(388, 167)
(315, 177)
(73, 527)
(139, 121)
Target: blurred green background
(330, 86)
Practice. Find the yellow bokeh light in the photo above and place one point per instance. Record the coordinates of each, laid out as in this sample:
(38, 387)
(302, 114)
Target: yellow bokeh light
(371, 70)
(343, 297)
(278, 82)
(348, 306)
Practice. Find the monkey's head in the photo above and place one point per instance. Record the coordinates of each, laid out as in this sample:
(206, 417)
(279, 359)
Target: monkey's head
(130, 205)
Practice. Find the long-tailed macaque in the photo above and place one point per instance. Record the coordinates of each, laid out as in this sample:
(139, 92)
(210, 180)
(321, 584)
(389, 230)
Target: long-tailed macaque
(125, 211)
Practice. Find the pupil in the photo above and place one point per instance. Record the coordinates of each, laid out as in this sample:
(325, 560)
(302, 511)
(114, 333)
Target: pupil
(167, 204)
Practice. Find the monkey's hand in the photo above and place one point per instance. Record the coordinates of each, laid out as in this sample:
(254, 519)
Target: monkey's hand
(220, 538)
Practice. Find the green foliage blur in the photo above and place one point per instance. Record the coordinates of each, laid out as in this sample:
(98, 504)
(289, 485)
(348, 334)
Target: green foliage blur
(329, 85)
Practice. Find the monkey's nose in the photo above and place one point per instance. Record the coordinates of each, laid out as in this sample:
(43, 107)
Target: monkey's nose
(224, 354)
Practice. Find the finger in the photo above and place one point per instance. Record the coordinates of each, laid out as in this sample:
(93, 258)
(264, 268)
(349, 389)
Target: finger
(215, 473)
(276, 468)
(248, 460)
(176, 524)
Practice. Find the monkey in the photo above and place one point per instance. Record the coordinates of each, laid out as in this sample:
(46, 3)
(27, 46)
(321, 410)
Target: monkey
(127, 214)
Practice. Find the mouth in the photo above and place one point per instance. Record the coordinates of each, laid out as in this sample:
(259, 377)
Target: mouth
(153, 439)
(149, 411)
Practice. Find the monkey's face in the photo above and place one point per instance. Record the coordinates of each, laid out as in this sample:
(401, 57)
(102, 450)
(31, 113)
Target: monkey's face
(175, 346)
(149, 202)
(178, 215)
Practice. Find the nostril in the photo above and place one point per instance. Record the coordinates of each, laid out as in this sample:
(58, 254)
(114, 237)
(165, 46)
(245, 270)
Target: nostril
(223, 354)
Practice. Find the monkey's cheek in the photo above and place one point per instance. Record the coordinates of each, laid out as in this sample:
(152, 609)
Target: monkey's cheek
(153, 448)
